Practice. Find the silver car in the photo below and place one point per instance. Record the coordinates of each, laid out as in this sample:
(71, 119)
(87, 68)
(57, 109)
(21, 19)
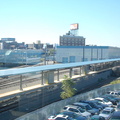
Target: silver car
(77, 110)
(107, 112)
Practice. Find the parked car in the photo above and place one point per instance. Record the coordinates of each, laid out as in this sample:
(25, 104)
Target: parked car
(104, 101)
(118, 107)
(87, 107)
(114, 102)
(62, 117)
(77, 110)
(97, 117)
(51, 117)
(99, 103)
(115, 93)
(73, 115)
(114, 97)
(107, 113)
(115, 116)
(93, 104)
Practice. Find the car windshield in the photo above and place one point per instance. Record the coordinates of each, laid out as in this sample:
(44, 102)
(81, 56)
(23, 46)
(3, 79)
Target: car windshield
(105, 112)
(106, 100)
(81, 110)
(115, 119)
(99, 101)
(59, 118)
(82, 107)
(118, 106)
(65, 108)
(111, 96)
(88, 107)
(73, 115)
(118, 93)
(94, 118)
(95, 104)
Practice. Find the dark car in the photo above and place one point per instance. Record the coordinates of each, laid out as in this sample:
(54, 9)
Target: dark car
(87, 107)
(93, 104)
(114, 93)
(99, 103)
(115, 116)
(97, 117)
(114, 102)
(118, 107)
(114, 97)
(73, 115)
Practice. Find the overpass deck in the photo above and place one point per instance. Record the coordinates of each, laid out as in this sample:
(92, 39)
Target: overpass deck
(18, 71)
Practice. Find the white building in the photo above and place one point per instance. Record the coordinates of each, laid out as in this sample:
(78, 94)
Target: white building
(68, 54)
(1, 46)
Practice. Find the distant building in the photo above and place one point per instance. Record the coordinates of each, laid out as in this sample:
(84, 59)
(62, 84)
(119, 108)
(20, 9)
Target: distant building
(1, 46)
(68, 54)
(21, 56)
(30, 46)
(49, 46)
(8, 39)
(71, 40)
(34, 46)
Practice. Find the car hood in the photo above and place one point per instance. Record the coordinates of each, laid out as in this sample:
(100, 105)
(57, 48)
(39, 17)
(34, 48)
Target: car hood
(86, 114)
(104, 115)
(93, 111)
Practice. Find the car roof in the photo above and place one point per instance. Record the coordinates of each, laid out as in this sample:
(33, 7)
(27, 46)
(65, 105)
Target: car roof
(118, 103)
(100, 98)
(116, 113)
(108, 108)
(72, 106)
(65, 111)
(95, 116)
(90, 101)
(62, 116)
(80, 103)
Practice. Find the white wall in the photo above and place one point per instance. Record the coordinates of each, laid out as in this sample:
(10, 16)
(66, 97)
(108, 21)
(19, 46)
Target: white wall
(114, 52)
(89, 53)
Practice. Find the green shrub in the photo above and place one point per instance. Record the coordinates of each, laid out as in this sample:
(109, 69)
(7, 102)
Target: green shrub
(115, 82)
(67, 87)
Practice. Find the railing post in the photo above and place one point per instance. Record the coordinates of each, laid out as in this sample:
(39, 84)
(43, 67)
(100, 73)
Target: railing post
(80, 71)
(70, 72)
(58, 75)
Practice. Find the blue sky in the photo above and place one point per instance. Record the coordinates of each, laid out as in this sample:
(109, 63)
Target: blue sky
(45, 20)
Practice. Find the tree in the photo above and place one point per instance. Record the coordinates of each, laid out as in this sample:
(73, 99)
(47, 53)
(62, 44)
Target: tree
(67, 87)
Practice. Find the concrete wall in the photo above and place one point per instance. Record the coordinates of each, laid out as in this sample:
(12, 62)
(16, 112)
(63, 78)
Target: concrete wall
(54, 108)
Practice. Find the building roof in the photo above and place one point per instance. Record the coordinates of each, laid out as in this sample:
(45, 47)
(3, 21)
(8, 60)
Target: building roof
(105, 47)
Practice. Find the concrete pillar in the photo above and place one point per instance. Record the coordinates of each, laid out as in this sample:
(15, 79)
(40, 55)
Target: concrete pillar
(70, 74)
(21, 83)
(42, 82)
(58, 75)
(49, 77)
(80, 70)
(86, 69)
